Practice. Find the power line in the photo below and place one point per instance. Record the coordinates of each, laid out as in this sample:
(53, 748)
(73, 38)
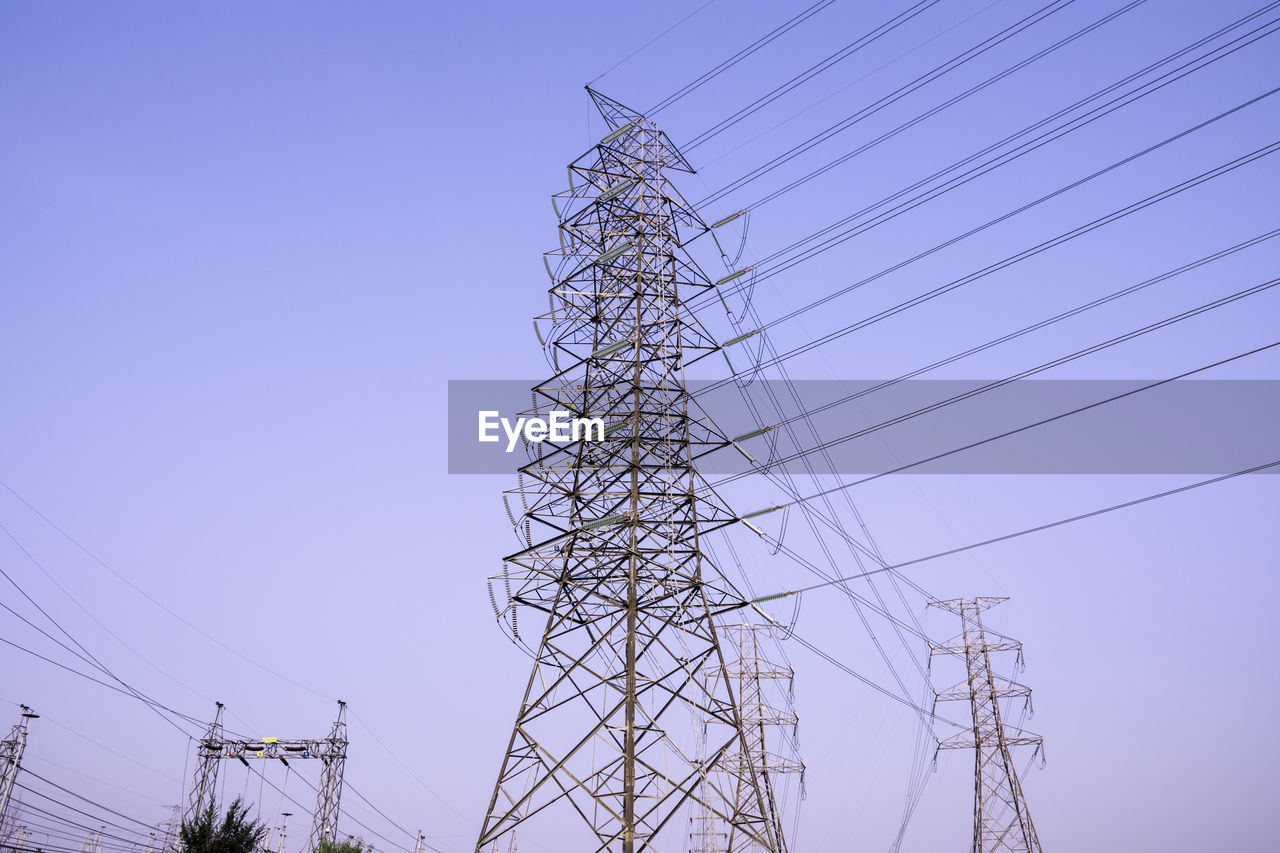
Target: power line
(153, 600)
(1032, 371)
(1027, 531)
(1041, 324)
(808, 74)
(1067, 127)
(950, 102)
(615, 65)
(955, 284)
(923, 80)
(83, 798)
(767, 38)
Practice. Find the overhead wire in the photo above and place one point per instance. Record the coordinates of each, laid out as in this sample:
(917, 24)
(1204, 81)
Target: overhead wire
(29, 772)
(1045, 245)
(947, 104)
(101, 562)
(1051, 419)
(1045, 323)
(1254, 469)
(1069, 126)
(725, 65)
(1028, 372)
(632, 54)
(923, 80)
(809, 73)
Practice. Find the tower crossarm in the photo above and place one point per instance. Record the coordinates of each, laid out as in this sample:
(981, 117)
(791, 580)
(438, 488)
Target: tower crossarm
(998, 687)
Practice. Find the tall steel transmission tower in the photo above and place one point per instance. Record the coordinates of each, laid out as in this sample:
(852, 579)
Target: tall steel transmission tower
(11, 749)
(1001, 820)
(332, 752)
(629, 666)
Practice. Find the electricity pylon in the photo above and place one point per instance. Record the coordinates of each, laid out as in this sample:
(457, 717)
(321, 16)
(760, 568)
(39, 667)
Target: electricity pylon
(172, 826)
(1001, 820)
(93, 842)
(332, 752)
(766, 722)
(11, 749)
(629, 665)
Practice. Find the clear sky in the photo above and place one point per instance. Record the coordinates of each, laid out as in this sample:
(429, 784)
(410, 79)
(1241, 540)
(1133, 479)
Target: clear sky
(244, 246)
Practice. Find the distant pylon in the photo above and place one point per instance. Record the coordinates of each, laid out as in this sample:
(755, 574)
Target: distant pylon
(11, 749)
(332, 751)
(204, 783)
(604, 749)
(1001, 820)
(172, 826)
(93, 842)
(420, 843)
(333, 758)
(765, 720)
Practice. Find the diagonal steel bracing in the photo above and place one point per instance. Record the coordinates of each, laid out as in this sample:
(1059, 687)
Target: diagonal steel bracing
(606, 749)
(1001, 820)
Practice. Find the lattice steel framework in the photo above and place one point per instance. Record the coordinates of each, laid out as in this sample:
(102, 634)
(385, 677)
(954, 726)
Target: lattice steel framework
(771, 728)
(332, 752)
(629, 663)
(1001, 820)
(11, 749)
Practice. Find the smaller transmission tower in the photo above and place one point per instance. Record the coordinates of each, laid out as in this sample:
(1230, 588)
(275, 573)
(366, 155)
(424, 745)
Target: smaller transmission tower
(331, 751)
(770, 728)
(1001, 820)
(11, 749)
(93, 842)
(333, 757)
(170, 829)
(205, 783)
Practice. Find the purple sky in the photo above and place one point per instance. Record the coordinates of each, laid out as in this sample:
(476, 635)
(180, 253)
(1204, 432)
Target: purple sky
(244, 246)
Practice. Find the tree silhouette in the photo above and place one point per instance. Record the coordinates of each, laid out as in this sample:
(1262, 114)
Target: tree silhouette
(351, 845)
(235, 833)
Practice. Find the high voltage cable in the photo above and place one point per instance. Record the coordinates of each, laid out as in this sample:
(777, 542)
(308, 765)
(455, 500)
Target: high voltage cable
(91, 659)
(651, 41)
(412, 835)
(1041, 324)
(1023, 374)
(809, 73)
(1026, 427)
(64, 534)
(896, 95)
(848, 670)
(81, 674)
(842, 581)
(955, 182)
(947, 104)
(55, 816)
(739, 56)
(406, 767)
(1069, 126)
(1037, 529)
(35, 775)
(62, 834)
(955, 284)
(97, 818)
(1004, 216)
